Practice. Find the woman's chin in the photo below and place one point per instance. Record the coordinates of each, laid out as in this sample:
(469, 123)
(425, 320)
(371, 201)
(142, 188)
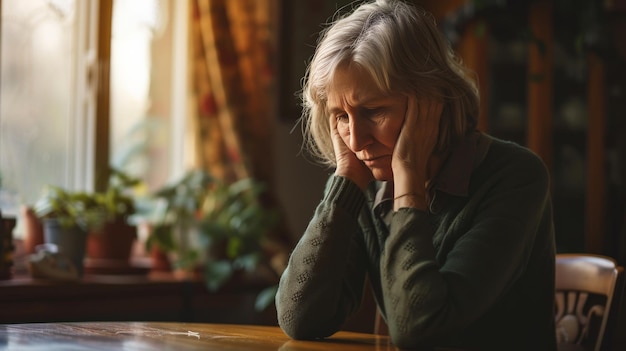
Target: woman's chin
(382, 174)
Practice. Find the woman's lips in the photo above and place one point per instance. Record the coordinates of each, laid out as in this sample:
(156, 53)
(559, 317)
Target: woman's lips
(373, 161)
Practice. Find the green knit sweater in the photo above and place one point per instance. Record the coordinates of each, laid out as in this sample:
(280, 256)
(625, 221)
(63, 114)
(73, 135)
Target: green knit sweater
(475, 272)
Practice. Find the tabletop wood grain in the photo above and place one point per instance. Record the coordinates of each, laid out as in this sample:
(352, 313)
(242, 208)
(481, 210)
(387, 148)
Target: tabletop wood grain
(148, 336)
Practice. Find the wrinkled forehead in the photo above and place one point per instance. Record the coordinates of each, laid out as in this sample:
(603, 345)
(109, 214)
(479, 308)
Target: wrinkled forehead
(350, 84)
(350, 77)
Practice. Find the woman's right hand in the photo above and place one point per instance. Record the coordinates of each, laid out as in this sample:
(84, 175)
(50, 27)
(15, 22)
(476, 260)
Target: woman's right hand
(348, 165)
(412, 161)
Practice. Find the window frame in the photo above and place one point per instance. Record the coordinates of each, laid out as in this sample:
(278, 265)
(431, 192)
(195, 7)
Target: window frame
(87, 146)
(100, 75)
(97, 170)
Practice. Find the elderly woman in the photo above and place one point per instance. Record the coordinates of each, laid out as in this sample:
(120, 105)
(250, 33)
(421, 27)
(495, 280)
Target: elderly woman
(453, 227)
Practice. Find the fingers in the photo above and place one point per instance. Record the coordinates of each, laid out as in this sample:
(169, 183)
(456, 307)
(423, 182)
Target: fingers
(428, 128)
(347, 164)
(408, 133)
(339, 146)
(415, 145)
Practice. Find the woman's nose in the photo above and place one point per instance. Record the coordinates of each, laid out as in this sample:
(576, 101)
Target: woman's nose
(360, 135)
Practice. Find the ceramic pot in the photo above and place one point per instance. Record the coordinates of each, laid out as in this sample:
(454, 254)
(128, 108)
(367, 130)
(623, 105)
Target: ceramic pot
(114, 241)
(71, 242)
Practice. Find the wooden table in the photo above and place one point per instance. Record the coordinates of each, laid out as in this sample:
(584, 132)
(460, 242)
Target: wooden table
(144, 336)
(175, 336)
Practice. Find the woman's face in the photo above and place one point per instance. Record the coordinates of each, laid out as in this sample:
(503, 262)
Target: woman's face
(368, 121)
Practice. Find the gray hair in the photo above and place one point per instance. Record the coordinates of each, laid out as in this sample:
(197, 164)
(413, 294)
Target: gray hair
(404, 52)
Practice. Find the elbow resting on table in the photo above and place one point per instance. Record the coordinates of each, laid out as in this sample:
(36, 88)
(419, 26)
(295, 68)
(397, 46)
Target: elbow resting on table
(303, 328)
(303, 321)
(292, 329)
(302, 331)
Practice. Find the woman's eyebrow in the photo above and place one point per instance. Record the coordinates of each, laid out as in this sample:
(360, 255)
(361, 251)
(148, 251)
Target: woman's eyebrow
(334, 110)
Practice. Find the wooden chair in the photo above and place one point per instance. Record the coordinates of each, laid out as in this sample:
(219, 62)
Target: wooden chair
(588, 293)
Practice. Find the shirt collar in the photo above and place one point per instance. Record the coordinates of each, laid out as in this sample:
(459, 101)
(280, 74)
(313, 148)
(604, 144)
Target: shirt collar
(455, 173)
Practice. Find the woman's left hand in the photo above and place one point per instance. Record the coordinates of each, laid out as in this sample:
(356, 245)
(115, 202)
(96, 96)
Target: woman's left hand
(348, 165)
(413, 152)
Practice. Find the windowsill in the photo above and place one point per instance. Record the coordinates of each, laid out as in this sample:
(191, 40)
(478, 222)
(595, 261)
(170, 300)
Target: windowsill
(151, 297)
(145, 296)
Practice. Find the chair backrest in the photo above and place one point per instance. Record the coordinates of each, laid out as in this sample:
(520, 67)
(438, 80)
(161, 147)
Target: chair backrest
(587, 298)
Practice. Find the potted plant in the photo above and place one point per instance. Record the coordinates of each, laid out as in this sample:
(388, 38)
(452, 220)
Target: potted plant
(112, 240)
(174, 220)
(234, 226)
(211, 226)
(92, 223)
(67, 216)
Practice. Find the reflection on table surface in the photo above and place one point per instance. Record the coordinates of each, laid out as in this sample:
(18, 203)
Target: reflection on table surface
(135, 336)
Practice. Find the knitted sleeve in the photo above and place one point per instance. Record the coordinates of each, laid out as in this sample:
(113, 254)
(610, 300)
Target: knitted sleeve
(323, 282)
(492, 240)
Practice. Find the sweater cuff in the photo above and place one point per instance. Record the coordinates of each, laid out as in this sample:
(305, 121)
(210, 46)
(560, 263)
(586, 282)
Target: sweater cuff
(345, 194)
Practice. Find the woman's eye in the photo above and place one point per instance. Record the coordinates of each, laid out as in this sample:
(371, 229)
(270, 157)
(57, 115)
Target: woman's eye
(376, 115)
(341, 118)
(373, 112)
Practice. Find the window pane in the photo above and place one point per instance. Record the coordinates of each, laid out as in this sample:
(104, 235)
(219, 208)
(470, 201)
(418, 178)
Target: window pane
(36, 96)
(140, 88)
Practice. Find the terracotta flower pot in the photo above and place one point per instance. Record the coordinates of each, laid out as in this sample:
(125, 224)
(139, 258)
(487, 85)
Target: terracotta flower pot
(160, 260)
(114, 241)
(33, 230)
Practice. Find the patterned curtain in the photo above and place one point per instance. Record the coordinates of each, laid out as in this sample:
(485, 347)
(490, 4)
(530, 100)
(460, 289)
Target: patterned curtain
(233, 84)
(234, 89)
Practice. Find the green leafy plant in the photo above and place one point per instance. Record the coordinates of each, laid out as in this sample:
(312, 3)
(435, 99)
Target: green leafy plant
(175, 215)
(118, 201)
(88, 210)
(228, 220)
(69, 208)
(236, 223)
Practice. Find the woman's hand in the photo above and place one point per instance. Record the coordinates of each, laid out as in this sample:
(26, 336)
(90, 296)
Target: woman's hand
(412, 161)
(348, 165)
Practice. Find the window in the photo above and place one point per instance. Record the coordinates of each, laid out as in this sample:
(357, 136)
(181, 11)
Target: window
(38, 119)
(140, 80)
(50, 81)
